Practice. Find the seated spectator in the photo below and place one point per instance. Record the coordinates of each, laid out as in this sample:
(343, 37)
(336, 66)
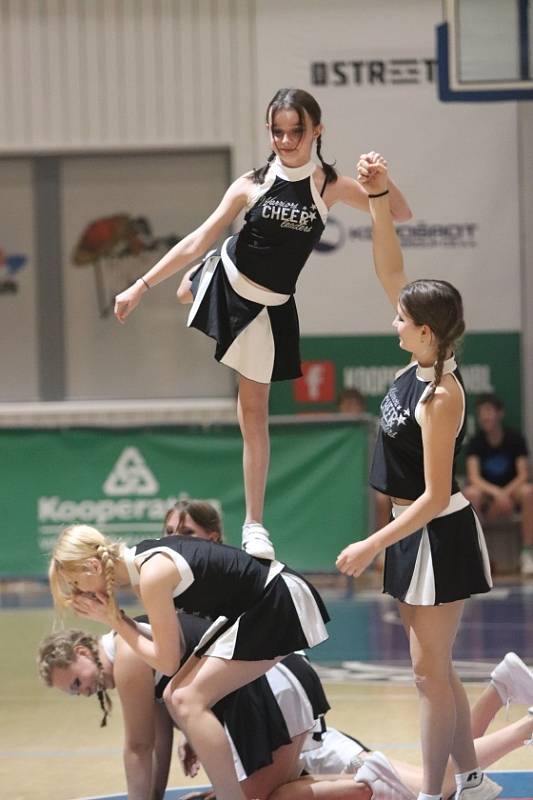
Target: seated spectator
(497, 472)
(351, 401)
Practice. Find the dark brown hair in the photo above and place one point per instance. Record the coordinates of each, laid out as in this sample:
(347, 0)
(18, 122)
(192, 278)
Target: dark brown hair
(300, 101)
(438, 305)
(489, 399)
(202, 512)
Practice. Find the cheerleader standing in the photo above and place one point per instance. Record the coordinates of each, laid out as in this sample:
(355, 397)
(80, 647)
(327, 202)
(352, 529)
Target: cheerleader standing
(435, 550)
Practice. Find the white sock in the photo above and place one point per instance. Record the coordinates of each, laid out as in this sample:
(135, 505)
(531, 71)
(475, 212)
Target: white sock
(424, 796)
(468, 779)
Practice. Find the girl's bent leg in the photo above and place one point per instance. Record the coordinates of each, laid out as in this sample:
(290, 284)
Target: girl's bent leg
(189, 702)
(284, 768)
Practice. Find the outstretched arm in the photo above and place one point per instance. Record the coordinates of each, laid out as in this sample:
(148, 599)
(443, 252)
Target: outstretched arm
(388, 258)
(188, 249)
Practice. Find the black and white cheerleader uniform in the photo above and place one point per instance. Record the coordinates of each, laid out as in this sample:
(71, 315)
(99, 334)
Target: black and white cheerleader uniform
(244, 295)
(260, 609)
(447, 560)
(263, 715)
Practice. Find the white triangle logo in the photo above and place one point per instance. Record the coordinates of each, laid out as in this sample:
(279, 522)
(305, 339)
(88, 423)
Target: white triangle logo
(130, 475)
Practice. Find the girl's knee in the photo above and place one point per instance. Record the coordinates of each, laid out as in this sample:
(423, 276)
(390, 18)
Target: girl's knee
(430, 682)
(183, 703)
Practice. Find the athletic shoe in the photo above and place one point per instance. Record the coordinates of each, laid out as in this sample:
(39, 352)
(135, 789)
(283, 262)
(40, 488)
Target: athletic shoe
(380, 775)
(513, 680)
(526, 562)
(256, 541)
(486, 790)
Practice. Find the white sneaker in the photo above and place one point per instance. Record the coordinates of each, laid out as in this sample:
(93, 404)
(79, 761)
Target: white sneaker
(526, 562)
(256, 541)
(380, 775)
(513, 680)
(486, 790)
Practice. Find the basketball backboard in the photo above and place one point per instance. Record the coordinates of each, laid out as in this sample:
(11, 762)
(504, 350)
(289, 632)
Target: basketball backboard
(484, 51)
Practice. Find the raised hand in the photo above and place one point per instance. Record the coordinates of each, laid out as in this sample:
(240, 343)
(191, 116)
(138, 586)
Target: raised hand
(372, 172)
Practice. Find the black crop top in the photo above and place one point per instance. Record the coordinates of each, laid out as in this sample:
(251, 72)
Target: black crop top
(280, 229)
(398, 463)
(217, 580)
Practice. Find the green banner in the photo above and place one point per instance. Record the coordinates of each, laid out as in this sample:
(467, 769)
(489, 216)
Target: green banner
(123, 482)
(490, 362)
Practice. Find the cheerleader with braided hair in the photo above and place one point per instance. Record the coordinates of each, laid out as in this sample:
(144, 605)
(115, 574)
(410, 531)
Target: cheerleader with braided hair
(61, 649)
(243, 295)
(283, 709)
(262, 611)
(435, 550)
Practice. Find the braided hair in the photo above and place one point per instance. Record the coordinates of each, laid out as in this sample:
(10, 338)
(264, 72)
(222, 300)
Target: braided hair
(74, 547)
(300, 101)
(438, 305)
(59, 651)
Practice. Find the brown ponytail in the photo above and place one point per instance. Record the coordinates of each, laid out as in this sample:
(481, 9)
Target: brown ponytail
(439, 366)
(329, 170)
(438, 305)
(259, 174)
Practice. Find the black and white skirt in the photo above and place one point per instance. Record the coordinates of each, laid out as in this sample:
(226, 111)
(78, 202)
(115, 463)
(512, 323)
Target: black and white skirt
(271, 711)
(289, 616)
(256, 331)
(445, 561)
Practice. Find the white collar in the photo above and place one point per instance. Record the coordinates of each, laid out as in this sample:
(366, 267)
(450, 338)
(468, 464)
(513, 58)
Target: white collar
(293, 173)
(428, 373)
(128, 554)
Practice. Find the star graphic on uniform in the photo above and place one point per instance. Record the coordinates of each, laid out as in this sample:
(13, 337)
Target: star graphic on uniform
(401, 419)
(312, 215)
(313, 207)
